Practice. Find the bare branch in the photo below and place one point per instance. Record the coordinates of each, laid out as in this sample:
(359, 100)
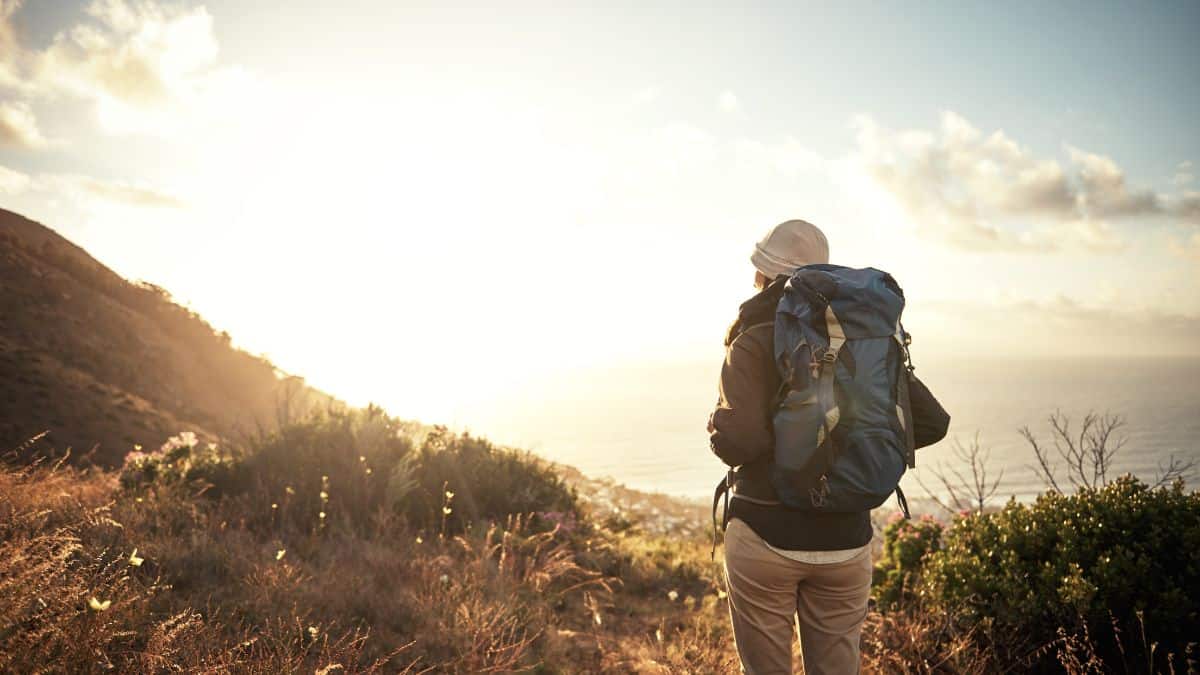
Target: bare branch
(1175, 469)
(1044, 469)
(1087, 455)
(966, 493)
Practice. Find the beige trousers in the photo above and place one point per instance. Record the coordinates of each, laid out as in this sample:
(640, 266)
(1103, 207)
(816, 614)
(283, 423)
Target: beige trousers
(768, 592)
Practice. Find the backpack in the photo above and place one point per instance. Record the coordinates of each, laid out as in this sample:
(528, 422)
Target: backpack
(843, 424)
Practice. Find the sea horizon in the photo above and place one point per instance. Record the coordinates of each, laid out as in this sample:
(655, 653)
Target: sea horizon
(652, 438)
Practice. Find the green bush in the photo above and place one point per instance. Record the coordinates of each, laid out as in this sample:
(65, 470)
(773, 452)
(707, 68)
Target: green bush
(336, 464)
(182, 461)
(896, 578)
(474, 480)
(1105, 562)
(350, 468)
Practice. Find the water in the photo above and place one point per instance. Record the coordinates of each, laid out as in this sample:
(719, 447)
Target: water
(645, 426)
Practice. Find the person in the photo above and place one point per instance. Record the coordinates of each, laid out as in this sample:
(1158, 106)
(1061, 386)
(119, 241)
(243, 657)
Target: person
(785, 566)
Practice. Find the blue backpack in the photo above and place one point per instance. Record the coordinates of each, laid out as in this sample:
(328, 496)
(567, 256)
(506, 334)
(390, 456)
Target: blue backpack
(843, 424)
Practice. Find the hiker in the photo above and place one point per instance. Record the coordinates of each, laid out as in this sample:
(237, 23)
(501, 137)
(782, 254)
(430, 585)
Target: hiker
(785, 565)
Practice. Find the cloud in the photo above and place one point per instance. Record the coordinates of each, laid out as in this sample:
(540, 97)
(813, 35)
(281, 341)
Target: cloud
(13, 182)
(87, 188)
(125, 193)
(10, 50)
(987, 192)
(142, 55)
(1057, 326)
(148, 68)
(18, 126)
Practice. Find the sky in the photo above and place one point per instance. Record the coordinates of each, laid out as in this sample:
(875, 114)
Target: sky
(446, 208)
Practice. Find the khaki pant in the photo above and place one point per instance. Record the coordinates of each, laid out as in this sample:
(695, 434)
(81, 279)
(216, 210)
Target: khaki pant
(768, 591)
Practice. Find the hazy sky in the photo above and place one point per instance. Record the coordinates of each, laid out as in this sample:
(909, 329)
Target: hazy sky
(431, 207)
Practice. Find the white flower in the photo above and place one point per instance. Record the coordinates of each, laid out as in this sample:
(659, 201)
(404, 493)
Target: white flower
(673, 595)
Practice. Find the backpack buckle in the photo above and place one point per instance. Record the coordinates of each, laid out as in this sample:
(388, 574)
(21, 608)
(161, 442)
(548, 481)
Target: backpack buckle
(818, 494)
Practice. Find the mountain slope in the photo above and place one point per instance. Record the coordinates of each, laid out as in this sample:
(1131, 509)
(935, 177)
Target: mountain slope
(99, 362)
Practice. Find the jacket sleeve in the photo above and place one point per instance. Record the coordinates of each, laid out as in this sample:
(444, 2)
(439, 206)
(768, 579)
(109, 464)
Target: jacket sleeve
(930, 419)
(740, 428)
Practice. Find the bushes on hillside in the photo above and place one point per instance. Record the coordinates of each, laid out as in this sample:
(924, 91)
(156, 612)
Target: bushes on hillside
(182, 460)
(905, 545)
(474, 480)
(349, 467)
(1105, 563)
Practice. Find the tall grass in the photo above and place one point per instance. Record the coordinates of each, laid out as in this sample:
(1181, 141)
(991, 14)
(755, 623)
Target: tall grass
(219, 560)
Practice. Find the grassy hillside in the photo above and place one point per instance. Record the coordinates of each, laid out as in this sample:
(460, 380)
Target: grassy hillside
(351, 543)
(356, 543)
(101, 363)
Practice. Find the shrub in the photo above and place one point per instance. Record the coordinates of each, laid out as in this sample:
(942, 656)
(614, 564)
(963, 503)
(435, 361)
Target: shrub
(336, 464)
(182, 460)
(905, 544)
(1109, 561)
(350, 468)
(458, 479)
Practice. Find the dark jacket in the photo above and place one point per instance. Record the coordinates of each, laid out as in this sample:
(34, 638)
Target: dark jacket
(742, 435)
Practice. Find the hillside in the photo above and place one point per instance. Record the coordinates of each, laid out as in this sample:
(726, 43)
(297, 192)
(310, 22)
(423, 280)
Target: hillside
(101, 363)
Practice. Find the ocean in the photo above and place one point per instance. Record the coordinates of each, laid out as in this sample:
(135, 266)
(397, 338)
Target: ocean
(644, 426)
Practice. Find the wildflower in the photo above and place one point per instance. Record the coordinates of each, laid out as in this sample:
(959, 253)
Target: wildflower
(280, 553)
(321, 515)
(135, 560)
(419, 539)
(274, 505)
(721, 594)
(312, 631)
(362, 458)
(137, 448)
(368, 471)
(447, 510)
(445, 579)
(324, 496)
(98, 606)
(289, 490)
(658, 634)
(449, 494)
(673, 595)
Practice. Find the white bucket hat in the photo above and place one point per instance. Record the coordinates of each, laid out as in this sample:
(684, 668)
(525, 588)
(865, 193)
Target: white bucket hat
(789, 245)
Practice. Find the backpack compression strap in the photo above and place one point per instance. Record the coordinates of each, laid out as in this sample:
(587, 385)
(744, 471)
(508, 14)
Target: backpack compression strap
(827, 400)
(904, 411)
(903, 403)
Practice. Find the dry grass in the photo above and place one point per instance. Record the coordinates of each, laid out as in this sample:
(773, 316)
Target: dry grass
(213, 594)
(221, 590)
